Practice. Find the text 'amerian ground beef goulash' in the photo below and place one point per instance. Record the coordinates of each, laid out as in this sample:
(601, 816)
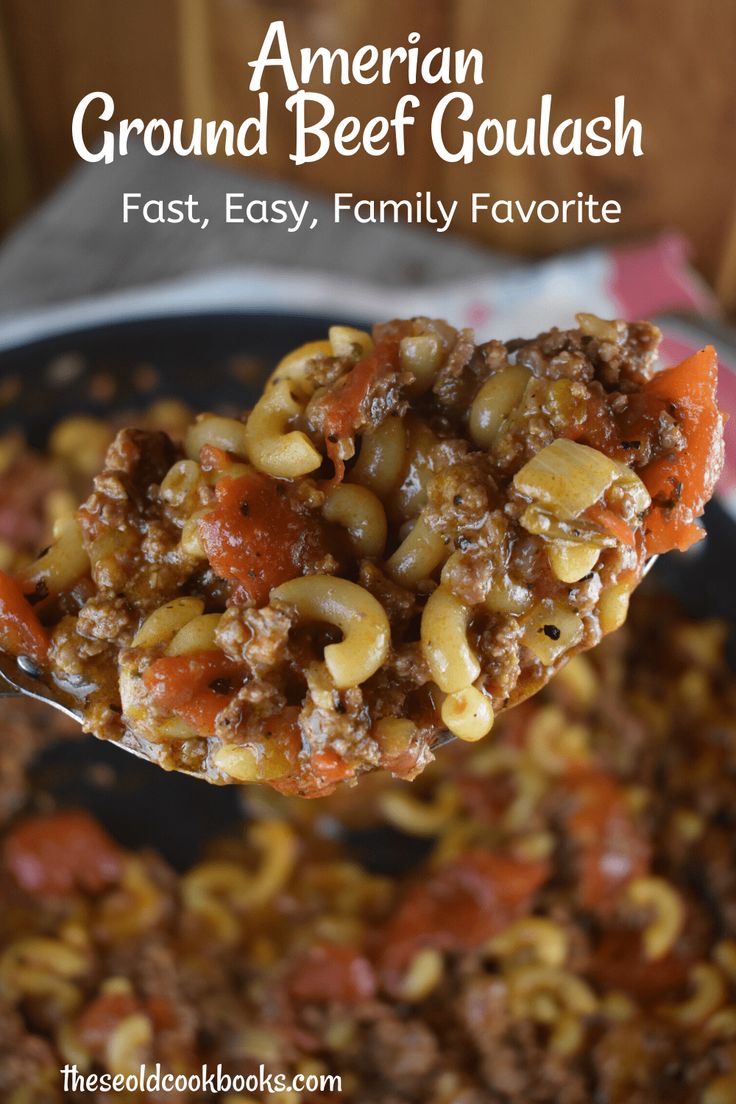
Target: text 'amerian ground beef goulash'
(407, 534)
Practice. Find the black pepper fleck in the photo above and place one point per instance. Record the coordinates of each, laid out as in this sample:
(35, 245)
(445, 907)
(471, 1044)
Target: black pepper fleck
(552, 632)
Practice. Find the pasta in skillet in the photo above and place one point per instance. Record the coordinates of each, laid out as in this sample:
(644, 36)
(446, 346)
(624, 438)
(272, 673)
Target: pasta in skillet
(565, 933)
(408, 533)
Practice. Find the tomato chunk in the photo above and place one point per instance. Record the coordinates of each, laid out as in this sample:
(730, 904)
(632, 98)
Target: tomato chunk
(460, 906)
(21, 633)
(680, 484)
(330, 971)
(344, 407)
(611, 849)
(316, 778)
(608, 519)
(255, 537)
(619, 963)
(195, 687)
(57, 854)
(100, 1018)
(105, 1013)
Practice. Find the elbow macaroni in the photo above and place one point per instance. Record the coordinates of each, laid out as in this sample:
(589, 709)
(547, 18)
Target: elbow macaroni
(359, 616)
(227, 434)
(445, 643)
(361, 512)
(63, 564)
(418, 556)
(382, 458)
(270, 445)
(495, 401)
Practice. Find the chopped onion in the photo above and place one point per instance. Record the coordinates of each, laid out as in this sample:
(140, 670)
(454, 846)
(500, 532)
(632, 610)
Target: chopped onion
(567, 478)
(573, 530)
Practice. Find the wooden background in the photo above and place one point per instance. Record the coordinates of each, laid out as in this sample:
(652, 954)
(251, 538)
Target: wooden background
(675, 60)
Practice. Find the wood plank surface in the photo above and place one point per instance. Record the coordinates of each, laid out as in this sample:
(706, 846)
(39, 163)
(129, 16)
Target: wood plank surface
(673, 60)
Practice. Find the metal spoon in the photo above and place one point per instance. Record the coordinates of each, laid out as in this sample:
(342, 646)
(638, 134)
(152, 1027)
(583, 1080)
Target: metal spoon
(21, 678)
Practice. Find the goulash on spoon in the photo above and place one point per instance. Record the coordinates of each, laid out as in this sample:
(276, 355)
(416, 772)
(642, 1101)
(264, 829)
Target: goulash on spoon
(407, 534)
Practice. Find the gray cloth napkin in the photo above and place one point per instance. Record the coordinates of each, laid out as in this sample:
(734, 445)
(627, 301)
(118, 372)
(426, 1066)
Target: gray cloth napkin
(76, 244)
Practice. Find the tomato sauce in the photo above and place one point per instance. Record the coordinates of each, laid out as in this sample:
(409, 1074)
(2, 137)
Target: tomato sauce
(105, 1013)
(100, 1018)
(618, 963)
(599, 429)
(344, 406)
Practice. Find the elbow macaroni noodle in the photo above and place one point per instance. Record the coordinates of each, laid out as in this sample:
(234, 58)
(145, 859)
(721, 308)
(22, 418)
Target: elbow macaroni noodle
(445, 643)
(361, 512)
(270, 445)
(359, 616)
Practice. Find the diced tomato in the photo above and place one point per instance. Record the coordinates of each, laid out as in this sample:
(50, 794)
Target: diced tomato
(611, 849)
(256, 538)
(186, 686)
(161, 1012)
(486, 798)
(332, 972)
(461, 905)
(609, 520)
(105, 1013)
(58, 854)
(21, 633)
(318, 777)
(100, 1018)
(682, 483)
(330, 766)
(618, 963)
(344, 406)
(212, 458)
(599, 429)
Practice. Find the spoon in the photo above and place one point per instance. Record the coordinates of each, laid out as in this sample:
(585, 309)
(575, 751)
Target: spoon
(20, 677)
